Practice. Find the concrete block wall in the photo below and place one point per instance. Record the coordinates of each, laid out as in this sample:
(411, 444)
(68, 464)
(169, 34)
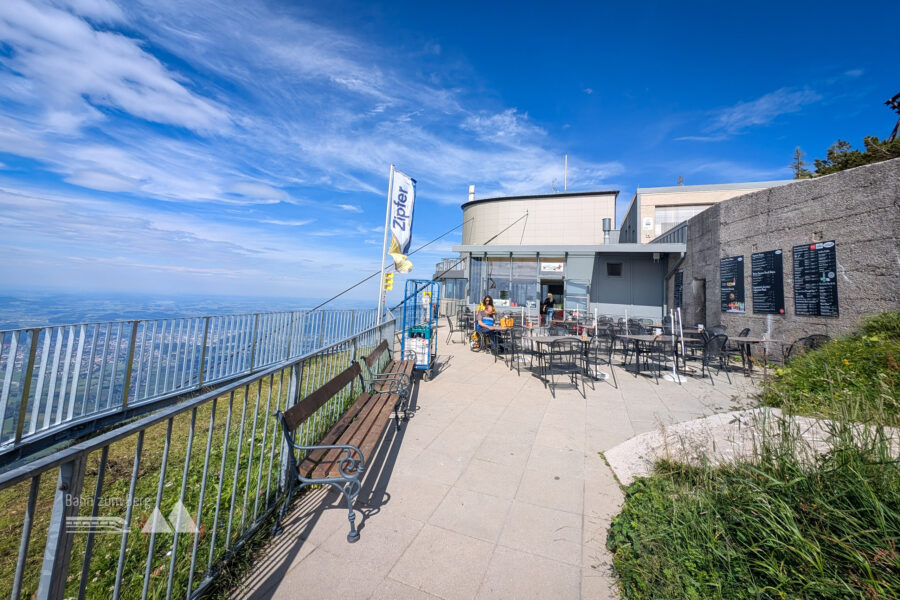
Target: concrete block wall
(859, 209)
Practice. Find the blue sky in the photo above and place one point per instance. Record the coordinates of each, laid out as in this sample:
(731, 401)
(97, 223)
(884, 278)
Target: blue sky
(174, 146)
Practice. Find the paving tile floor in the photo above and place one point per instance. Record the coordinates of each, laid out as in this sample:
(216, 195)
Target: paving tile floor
(492, 489)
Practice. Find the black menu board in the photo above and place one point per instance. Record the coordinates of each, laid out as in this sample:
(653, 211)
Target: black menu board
(731, 286)
(767, 275)
(678, 294)
(815, 280)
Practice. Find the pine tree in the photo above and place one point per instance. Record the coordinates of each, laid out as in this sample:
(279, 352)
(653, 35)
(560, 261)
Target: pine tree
(798, 165)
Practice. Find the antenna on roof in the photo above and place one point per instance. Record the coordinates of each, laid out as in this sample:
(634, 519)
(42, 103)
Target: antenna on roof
(566, 174)
(895, 104)
(680, 180)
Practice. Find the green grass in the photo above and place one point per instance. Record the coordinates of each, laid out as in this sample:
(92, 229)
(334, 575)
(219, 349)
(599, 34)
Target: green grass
(254, 400)
(856, 377)
(786, 523)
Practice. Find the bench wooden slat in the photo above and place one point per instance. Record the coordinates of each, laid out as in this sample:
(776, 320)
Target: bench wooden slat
(313, 458)
(373, 357)
(337, 434)
(313, 402)
(368, 445)
(364, 432)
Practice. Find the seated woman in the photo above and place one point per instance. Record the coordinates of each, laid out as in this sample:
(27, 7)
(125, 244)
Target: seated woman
(486, 318)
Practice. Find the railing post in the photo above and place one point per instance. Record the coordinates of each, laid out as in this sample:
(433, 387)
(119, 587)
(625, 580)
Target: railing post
(58, 551)
(284, 467)
(26, 384)
(129, 364)
(290, 336)
(203, 352)
(321, 330)
(253, 336)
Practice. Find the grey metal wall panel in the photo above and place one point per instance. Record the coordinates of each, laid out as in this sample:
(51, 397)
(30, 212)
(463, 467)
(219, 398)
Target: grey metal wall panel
(580, 268)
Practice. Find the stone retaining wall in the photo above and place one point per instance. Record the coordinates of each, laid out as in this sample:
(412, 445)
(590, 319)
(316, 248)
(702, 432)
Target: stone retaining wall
(859, 209)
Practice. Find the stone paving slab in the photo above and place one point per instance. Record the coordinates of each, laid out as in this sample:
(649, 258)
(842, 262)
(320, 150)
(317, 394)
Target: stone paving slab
(492, 489)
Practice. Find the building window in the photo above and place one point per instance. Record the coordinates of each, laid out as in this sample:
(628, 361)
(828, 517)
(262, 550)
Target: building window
(668, 217)
(613, 269)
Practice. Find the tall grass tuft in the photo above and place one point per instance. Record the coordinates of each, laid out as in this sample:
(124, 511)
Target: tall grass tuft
(799, 519)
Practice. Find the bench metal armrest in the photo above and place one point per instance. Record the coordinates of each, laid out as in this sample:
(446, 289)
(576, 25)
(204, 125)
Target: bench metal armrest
(356, 464)
(401, 379)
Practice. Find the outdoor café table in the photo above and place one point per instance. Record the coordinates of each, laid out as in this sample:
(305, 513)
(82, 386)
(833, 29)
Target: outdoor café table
(539, 342)
(740, 341)
(638, 339)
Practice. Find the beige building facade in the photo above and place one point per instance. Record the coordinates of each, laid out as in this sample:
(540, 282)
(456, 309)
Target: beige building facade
(654, 211)
(569, 218)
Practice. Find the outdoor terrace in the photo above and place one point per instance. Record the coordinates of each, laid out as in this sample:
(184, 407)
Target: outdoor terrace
(492, 489)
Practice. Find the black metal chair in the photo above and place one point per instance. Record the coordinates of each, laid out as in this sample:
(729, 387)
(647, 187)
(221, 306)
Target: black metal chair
(500, 342)
(519, 349)
(630, 347)
(718, 330)
(557, 329)
(455, 328)
(599, 352)
(742, 350)
(810, 342)
(566, 357)
(714, 352)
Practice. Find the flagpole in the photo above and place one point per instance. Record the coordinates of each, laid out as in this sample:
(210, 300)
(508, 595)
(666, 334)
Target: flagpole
(387, 215)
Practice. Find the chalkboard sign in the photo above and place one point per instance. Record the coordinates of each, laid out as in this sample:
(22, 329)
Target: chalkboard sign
(678, 295)
(731, 286)
(767, 275)
(815, 280)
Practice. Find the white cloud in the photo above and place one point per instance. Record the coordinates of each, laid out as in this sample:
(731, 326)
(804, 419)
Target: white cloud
(202, 117)
(103, 11)
(116, 243)
(288, 223)
(71, 67)
(763, 110)
(506, 127)
(99, 180)
(734, 120)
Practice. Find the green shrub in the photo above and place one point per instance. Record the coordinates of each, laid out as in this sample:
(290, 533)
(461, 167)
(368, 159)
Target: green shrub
(855, 377)
(886, 325)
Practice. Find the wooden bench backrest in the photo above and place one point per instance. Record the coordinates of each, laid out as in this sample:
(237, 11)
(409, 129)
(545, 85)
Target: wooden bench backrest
(372, 358)
(306, 407)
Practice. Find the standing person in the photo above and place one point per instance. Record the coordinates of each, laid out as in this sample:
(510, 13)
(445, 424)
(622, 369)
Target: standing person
(547, 309)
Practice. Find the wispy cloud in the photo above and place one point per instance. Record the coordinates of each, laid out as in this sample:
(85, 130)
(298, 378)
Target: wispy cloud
(734, 120)
(294, 223)
(194, 134)
(507, 127)
(74, 70)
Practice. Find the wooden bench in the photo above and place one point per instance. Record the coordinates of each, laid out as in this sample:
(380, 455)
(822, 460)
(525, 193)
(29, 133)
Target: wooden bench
(396, 377)
(338, 459)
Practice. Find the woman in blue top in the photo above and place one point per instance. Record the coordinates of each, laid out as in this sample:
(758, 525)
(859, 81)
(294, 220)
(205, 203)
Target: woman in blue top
(486, 317)
(485, 322)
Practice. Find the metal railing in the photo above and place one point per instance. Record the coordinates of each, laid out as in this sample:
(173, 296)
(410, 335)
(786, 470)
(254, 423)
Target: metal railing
(113, 517)
(54, 378)
(676, 235)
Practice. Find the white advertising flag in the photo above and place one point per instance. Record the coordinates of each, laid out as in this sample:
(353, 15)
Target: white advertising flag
(403, 197)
